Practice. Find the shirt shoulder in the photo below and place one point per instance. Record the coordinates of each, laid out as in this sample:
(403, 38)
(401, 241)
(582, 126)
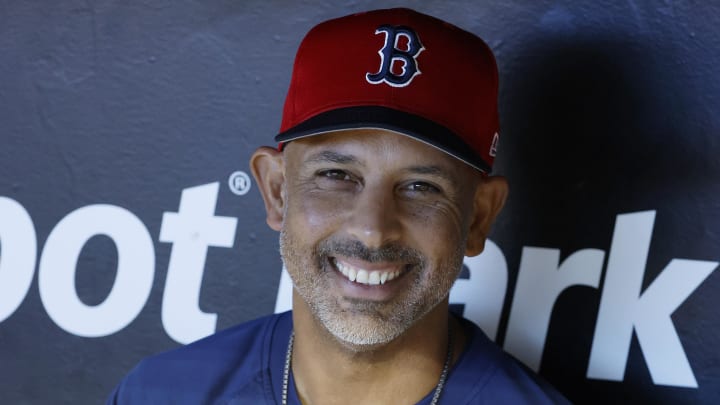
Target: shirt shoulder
(494, 377)
(215, 369)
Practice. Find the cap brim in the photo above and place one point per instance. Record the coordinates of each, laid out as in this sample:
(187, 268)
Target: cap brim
(419, 128)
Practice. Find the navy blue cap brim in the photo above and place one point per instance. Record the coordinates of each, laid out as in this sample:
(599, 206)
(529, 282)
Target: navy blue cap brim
(422, 129)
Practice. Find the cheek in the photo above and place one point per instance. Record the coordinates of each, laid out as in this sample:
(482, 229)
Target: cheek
(438, 233)
(312, 215)
(442, 220)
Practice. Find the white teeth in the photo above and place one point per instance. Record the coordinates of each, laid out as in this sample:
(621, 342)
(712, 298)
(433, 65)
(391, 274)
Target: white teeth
(364, 276)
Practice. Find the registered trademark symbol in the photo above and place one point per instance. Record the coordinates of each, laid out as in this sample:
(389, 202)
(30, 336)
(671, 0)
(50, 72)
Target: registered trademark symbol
(239, 183)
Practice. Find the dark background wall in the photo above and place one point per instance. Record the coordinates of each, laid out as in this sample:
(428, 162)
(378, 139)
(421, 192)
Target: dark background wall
(607, 108)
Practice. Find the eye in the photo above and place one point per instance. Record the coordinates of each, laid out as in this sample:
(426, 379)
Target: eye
(335, 174)
(422, 187)
(336, 180)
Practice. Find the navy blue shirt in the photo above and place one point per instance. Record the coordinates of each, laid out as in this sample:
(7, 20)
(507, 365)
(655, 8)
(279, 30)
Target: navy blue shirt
(244, 365)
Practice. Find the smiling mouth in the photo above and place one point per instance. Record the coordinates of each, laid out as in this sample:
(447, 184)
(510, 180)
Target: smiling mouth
(363, 276)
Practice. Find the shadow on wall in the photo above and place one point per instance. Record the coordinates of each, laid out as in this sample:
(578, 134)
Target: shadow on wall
(596, 118)
(592, 128)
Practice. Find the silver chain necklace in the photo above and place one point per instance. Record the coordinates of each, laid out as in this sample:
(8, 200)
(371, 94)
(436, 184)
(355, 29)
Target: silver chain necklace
(438, 388)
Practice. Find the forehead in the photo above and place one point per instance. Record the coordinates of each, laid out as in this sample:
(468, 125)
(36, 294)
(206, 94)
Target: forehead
(373, 147)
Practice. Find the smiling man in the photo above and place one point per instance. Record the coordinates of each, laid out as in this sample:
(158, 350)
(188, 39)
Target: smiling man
(379, 188)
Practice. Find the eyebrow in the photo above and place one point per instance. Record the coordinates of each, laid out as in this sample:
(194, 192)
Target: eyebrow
(433, 171)
(329, 156)
(333, 157)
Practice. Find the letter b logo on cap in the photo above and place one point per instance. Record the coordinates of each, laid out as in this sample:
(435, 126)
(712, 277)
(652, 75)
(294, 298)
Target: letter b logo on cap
(391, 52)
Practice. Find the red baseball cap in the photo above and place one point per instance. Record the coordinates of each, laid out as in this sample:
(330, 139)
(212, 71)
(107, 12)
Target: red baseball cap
(398, 70)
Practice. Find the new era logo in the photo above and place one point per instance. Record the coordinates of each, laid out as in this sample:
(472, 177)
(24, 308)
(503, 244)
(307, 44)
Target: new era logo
(493, 145)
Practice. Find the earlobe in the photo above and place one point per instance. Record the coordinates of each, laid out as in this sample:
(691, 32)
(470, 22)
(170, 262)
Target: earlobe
(267, 167)
(490, 197)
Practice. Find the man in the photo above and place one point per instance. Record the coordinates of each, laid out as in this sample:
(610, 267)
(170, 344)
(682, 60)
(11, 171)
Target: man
(379, 188)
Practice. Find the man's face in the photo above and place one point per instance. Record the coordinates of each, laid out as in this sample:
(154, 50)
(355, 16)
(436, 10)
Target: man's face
(374, 230)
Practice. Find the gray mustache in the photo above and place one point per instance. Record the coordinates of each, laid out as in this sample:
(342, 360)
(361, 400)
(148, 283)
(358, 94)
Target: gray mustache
(357, 250)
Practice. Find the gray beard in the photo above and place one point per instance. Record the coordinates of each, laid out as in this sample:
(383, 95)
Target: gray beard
(362, 325)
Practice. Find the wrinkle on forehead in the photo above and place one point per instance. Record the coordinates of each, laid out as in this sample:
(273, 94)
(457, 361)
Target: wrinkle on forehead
(333, 157)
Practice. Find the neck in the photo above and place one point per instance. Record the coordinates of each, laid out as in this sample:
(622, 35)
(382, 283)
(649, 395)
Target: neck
(403, 371)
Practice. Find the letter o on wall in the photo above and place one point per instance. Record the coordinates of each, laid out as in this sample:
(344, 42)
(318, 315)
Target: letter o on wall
(133, 282)
(18, 251)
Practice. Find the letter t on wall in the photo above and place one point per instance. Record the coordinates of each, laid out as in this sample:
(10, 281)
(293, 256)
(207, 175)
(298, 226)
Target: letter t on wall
(191, 230)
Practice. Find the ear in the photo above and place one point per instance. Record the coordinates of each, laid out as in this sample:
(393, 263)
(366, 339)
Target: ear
(490, 196)
(267, 166)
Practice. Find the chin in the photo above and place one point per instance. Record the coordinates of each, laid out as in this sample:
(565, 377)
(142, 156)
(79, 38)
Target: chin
(362, 332)
(365, 333)
(362, 344)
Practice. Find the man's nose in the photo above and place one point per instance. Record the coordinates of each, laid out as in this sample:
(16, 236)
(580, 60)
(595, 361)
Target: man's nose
(375, 219)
